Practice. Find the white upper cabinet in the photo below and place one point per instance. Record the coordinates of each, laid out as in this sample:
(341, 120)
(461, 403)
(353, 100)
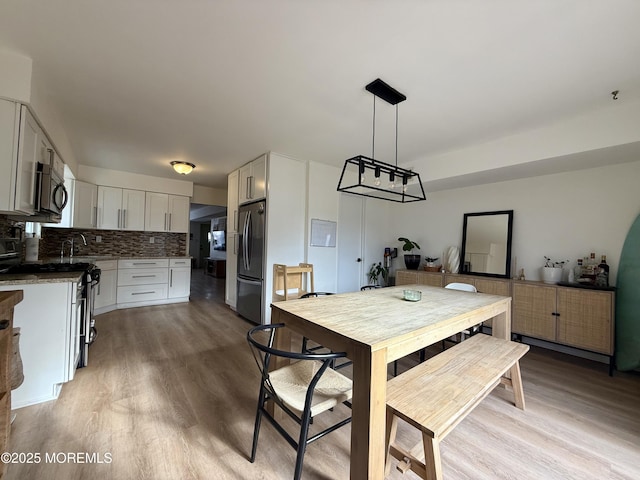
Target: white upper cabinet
(166, 213)
(155, 212)
(252, 183)
(85, 205)
(232, 201)
(133, 209)
(109, 208)
(9, 134)
(31, 144)
(120, 208)
(179, 213)
(20, 150)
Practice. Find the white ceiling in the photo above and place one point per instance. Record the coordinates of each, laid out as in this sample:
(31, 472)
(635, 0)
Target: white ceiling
(138, 83)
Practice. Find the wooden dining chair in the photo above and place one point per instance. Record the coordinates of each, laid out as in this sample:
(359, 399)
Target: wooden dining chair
(463, 287)
(303, 389)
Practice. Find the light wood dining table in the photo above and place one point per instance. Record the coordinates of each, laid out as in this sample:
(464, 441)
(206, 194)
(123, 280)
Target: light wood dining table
(376, 327)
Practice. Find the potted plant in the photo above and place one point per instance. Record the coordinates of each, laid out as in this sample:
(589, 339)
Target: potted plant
(376, 271)
(431, 264)
(552, 271)
(411, 261)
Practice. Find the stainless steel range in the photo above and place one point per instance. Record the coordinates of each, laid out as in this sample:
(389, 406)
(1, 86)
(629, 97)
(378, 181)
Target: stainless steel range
(10, 255)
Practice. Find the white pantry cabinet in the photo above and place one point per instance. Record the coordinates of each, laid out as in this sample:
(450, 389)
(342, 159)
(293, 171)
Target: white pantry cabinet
(252, 183)
(120, 208)
(21, 142)
(231, 286)
(166, 213)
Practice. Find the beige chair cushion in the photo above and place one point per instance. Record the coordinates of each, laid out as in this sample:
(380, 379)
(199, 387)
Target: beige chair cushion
(291, 382)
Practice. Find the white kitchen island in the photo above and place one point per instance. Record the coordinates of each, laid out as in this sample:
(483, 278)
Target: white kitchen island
(49, 328)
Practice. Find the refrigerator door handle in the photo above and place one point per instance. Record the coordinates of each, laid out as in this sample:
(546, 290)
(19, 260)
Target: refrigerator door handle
(247, 242)
(244, 241)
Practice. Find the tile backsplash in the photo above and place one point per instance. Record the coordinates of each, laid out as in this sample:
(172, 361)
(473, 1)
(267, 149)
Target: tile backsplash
(113, 242)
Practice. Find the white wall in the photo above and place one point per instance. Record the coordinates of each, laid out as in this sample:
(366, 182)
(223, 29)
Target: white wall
(612, 125)
(209, 196)
(563, 216)
(20, 81)
(15, 81)
(285, 225)
(322, 204)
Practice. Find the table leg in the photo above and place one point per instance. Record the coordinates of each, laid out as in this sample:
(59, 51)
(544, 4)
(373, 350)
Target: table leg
(501, 326)
(369, 415)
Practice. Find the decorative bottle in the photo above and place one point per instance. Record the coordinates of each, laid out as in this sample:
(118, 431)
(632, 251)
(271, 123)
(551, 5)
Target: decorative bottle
(602, 277)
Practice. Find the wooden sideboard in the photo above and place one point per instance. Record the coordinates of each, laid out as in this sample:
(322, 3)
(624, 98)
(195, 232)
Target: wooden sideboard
(494, 286)
(576, 317)
(8, 300)
(215, 267)
(581, 318)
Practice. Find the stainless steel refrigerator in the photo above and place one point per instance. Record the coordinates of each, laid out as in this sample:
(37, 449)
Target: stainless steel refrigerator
(251, 253)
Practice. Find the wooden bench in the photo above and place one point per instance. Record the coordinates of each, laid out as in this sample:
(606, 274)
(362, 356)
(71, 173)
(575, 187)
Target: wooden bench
(436, 395)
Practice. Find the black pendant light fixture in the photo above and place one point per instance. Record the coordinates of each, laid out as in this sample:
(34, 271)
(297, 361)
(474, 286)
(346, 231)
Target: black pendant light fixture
(369, 177)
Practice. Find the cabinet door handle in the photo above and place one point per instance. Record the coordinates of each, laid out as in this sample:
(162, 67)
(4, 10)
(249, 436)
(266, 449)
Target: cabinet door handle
(142, 276)
(124, 218)
(142, 293)
(171, 278)
(165, 221)
(169, 223)
(95, 222)
(119, 217)
(248, 190)
(555, 314)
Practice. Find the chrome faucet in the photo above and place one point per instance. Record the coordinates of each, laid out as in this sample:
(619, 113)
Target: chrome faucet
(84, 241)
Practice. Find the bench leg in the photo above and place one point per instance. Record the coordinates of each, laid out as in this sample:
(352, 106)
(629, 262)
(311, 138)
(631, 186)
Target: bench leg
(391, 430)
(432, 463)
(516, 382)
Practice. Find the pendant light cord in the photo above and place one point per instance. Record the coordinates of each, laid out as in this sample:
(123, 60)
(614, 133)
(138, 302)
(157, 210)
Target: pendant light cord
(396, 134)
(373, 140)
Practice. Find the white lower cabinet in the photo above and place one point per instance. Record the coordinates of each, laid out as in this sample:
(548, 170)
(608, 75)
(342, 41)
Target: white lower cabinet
(143, 282)
(179, 278)
(105, 299)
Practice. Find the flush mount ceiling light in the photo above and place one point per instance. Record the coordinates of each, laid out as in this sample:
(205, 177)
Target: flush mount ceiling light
(183, 168)
(369, 177)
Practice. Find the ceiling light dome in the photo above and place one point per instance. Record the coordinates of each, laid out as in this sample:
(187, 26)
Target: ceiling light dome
(183, 168)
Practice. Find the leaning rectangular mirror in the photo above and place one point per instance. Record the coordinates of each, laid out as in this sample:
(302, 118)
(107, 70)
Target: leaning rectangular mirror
(486, 243)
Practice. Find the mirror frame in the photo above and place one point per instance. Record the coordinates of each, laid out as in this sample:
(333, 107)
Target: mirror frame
(509, 214)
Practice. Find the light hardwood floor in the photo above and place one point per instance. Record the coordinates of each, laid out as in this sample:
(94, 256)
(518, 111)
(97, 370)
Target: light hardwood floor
(170, 393)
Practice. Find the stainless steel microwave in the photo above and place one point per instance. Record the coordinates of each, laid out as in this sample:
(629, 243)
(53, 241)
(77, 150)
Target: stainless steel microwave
(51, 194)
